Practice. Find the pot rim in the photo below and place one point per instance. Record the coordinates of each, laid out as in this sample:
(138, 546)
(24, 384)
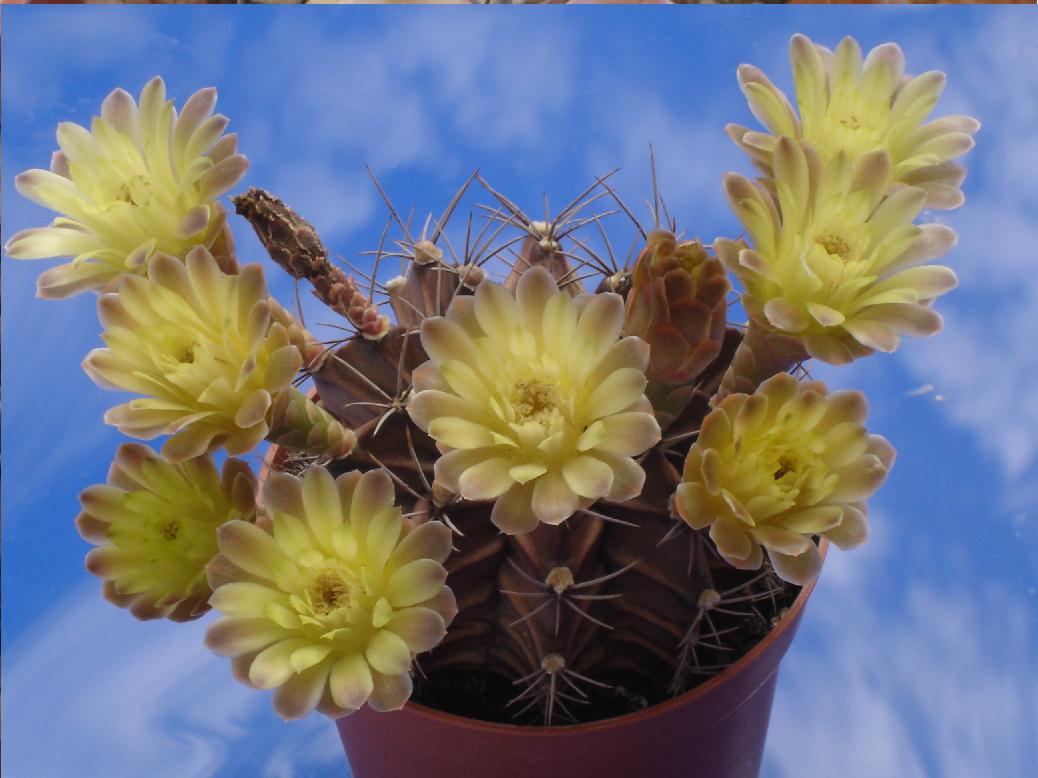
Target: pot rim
(497, 728)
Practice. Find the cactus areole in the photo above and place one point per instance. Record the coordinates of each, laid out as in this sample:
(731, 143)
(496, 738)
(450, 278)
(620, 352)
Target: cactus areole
(551, 510)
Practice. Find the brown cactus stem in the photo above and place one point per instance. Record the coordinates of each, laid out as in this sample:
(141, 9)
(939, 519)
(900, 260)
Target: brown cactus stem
(472, 570)
(365, 380)
(760, 355)
(612, 609)
(545, 252)
(292, 243)
(658, 594)
(426, 289)
(543, 629)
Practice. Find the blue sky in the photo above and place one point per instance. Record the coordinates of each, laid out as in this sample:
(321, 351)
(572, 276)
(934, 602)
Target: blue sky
(916, 654)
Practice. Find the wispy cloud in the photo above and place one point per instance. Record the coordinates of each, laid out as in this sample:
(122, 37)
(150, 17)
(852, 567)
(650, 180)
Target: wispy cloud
(394, 96)
(691, 152)
(139, 699)
(908, 678)
(985, 363)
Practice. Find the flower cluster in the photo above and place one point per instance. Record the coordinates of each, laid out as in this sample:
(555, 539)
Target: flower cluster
(773, 468)
(522, 405)
(141, 181)
(536, 401)
(155, 527)
(329, 598)
(836, 256)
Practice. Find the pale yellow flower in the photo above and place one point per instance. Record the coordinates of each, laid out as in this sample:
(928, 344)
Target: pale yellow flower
(154, 525)
(773, 468)
(141, 180)
(835, 258)
(202, 347)
(536, 400)
(853, 106)
(330, 597)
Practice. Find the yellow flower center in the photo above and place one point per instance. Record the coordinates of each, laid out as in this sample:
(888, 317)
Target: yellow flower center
(187, 354)
(833, 244)
(787, 470)
(135, 190)
(340, 603)
(855, 129)
(170, 530)
(328, 591)
(786, 465)
(535, 400)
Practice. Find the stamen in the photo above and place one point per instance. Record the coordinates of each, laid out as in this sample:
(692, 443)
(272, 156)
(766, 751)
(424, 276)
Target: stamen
(327, 592)
(534, 400)
(833, 244)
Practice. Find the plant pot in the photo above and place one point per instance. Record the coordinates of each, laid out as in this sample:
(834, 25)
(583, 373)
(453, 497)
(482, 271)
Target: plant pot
(716, 730)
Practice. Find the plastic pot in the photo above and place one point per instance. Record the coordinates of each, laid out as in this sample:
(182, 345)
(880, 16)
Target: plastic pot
(716, 730)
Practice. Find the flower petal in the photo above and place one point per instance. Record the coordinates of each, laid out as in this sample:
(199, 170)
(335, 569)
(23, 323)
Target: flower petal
(553, 501)
(800, 569)
(513, 512)
(431, 540)
(387, 653)
(731, 538)
(232, 636)
(351, 681)
(616, 393)
(389, 692)
(588, 477)
(852, 531)
(415, 582)
(252, 549)
(628, 434)
(299, 695)
(486, 480)
(420, 628)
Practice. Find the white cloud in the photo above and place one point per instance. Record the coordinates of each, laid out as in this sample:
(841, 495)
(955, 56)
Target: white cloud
(985, 362)
(907, 678)
(396, 92)
(691, 151)
(132, 698)
(335, 203)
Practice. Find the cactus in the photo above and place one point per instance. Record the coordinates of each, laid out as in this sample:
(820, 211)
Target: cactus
(622, 604)
(551, 506)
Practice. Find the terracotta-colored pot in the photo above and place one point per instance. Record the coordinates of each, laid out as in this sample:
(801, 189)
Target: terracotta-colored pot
(716, 730)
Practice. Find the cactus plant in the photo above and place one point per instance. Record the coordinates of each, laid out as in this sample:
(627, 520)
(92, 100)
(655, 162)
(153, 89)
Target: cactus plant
(630, 486)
